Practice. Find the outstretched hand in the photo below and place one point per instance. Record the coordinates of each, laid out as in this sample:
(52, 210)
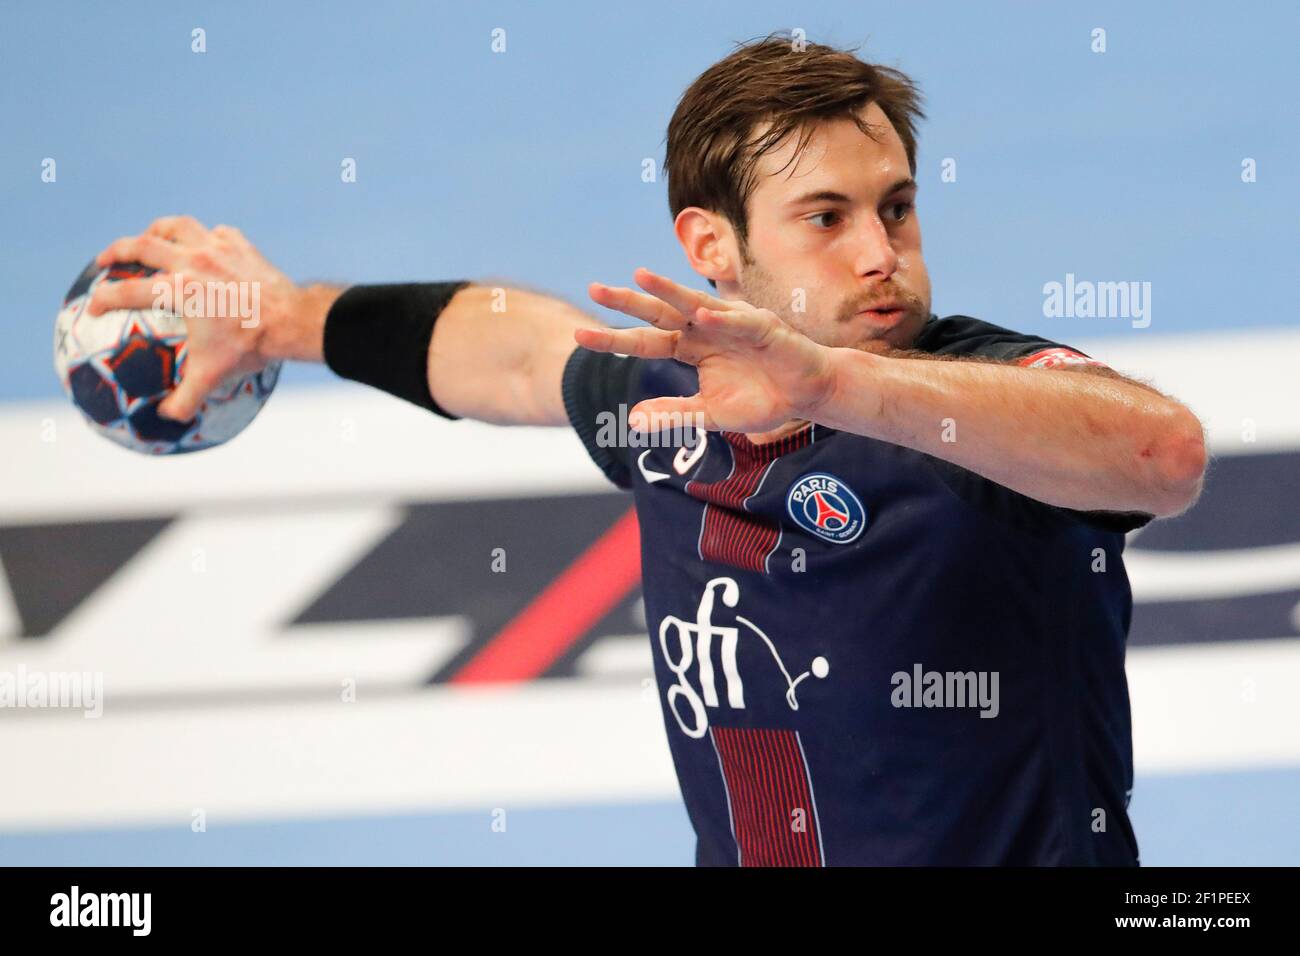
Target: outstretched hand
(755, 371)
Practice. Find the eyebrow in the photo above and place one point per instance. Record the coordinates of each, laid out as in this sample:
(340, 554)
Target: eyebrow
(830, 195)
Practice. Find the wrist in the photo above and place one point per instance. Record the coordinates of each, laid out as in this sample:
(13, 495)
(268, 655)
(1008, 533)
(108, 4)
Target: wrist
(853, 386)
(297, 330)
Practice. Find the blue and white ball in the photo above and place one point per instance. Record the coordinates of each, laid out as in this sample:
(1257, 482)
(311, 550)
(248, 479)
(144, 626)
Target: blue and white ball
(117, 367)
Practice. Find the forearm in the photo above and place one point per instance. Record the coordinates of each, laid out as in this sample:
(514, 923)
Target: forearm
(1066, 438)
(496, 353)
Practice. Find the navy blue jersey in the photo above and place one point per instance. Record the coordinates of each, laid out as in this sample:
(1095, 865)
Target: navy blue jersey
(866, 654)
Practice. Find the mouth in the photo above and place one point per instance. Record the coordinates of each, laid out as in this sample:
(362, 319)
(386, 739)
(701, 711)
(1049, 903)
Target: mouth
(888, 313)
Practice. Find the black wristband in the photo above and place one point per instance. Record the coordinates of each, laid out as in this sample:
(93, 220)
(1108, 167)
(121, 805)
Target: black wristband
(379, 335)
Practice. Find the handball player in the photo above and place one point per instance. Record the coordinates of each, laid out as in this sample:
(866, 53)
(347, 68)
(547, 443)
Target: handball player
(881, 550)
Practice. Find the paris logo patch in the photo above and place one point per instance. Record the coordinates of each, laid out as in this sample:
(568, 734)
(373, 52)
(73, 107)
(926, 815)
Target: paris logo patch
(827, 507)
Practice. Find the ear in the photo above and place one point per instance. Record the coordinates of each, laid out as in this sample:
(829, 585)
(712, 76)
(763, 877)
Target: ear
(709, 243)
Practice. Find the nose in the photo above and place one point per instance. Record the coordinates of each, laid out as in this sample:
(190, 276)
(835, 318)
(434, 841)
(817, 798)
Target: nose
(876, 256)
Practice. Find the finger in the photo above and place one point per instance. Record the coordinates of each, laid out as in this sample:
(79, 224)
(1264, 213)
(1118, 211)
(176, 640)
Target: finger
(678, 296)
(126, 294)
(638, 305)
(645, 343)
(152, 251)
(184, 402)
(185, 229)
(669, 412)
(746, 326)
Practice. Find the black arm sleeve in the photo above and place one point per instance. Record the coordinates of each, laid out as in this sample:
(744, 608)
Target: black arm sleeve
(379, 335)
(595, 384)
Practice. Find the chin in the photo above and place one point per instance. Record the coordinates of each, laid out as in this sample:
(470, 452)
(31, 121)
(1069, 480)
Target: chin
(904, 334)
(893, 340)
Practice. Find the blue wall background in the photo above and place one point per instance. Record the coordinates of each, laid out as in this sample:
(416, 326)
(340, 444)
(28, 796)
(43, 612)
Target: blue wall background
(526, 165)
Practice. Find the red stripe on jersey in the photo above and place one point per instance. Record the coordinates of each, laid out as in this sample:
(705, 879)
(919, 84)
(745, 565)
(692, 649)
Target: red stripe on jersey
(570, 606)
(772, 809)
(1053, 357)
(731, 535)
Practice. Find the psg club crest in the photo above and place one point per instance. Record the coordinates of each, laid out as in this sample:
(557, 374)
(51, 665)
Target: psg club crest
(827, 507)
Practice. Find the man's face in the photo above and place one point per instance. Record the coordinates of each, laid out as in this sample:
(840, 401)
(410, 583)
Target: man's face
(839, 225)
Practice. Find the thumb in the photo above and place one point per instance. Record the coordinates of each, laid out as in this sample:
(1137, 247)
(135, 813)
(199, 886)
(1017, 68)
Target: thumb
(183, 403)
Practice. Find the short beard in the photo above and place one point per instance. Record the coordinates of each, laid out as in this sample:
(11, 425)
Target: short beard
(759, 289)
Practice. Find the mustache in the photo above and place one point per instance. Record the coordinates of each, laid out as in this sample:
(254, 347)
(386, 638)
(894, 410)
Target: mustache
(904, 298)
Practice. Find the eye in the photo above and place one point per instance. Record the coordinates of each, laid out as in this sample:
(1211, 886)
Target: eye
(898, 211)
(821, 215)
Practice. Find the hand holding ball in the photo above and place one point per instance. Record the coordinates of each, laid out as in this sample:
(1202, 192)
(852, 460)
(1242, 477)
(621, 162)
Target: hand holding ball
(119, 366)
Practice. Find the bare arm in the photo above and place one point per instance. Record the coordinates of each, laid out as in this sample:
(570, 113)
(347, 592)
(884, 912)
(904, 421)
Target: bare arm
(1093, 442)
(1158, 424)
(497, 352)
(1080, 440)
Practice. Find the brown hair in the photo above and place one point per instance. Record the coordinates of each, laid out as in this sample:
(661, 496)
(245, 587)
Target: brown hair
(710, 158)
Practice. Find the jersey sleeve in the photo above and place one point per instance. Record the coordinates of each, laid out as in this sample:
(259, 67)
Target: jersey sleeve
(595, 385)
(1118, 521)
(963, 335)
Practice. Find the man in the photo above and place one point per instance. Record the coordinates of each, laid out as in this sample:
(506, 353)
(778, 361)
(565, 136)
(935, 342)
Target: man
(883, 578)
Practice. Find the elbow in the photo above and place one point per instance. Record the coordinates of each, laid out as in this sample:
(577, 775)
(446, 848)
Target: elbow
(1179, 457)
